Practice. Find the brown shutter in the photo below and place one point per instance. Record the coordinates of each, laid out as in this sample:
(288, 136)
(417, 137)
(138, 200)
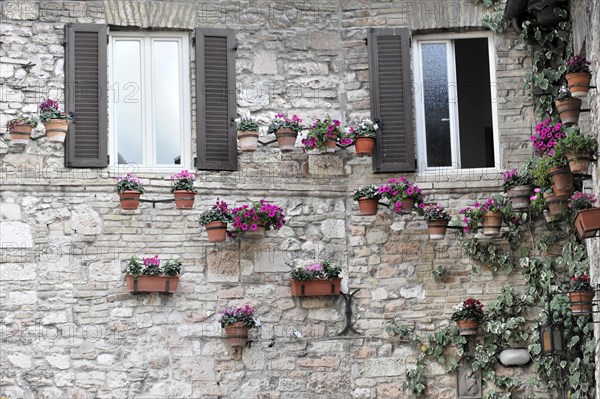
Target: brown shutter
(216, 139)
(85, 95)
(391, 99)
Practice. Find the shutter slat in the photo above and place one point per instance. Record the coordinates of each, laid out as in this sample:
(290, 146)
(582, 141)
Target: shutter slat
(85, 95)
(215, 100)
(391, 99)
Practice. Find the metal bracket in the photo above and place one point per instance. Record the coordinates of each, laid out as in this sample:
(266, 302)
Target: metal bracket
(38, 137)
(265, 143)
(348, 312)
(154, 202)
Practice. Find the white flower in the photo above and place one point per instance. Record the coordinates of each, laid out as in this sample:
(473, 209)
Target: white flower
(238, 120)
(375, 126)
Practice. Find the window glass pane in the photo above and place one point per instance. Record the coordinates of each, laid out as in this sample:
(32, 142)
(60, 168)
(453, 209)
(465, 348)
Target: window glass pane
(166, 102)
(435, 97)
(126, 89)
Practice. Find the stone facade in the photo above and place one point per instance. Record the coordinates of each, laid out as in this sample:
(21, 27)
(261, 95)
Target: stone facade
(71, 329)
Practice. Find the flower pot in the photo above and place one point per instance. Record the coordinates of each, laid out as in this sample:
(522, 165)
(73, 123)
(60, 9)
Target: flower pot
(579, 162)
(467, 327)
(130, 200)
(587, 222)
(184, 199)
(407, 205)
(258, 233)
(237, 334)
(216, 231)
(562, 181)
(20, 134)
(166, 284)
(364, 146)
(492, 223)
(437, 229)
(568, 109)
(581, 302)
(286, 139)
(579, 83)
(367, 206)
(248, 140)
(557, 204)
(519, 196)
(56, 129)
(330, 144)
(316, 287)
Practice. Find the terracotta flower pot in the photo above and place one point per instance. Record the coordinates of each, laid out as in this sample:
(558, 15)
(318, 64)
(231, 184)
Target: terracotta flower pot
(367, 206)
(587, 222)
(557, 204)
(364, 146)
(579, 83)
(258, 233)
(579, 162)
(184, 199)
(316, 287)
(237, 334)
(330, 144)
(569, 109)
(492, 223)
(467, 327)
(437, 229)
(166, 284)
(216, 231)
(130, 200)
(248, 140)
(519, 196)
(407, 205)
(56, 129)
(286, 139)
(562, 181)
(581, 302)
(20, 134)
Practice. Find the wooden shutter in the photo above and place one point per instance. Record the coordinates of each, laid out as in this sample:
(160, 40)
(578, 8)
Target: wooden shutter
(391, 99)
(85, 95)
(216, 138)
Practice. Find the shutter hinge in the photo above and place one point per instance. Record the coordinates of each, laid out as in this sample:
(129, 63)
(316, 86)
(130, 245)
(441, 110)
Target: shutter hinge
(366, 40)
(108, 159)
(195, 162)
(416, 163)
(410, 42)
(107, 39)
(193, 41)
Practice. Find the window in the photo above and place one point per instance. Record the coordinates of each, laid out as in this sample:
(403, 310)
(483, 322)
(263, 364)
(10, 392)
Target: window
(149, 99)
(455, 113)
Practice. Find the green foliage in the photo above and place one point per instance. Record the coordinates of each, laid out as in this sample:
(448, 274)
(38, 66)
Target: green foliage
(317, 271)
(440, 273)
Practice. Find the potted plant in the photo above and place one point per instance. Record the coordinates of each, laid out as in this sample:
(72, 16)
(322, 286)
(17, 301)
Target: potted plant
(537, 201)
(567, 106)
(247, 133)
(578, 75)
(437, 220)
(367, 197)
(316, 279)
(468, 315)
(494, 209)
(129, 188)
(472, 217)
(146, 275)
(183, 189)
(518, 186)
(256, 218)
(403, 195)
(363, 136)
(20, 128)
(546, 136)
(562, 178)
(286, 130)
(581, 295)
(322, 135)
(236, 321)
(55, 121)
(587, 217)
(578, 149)
(215, 221)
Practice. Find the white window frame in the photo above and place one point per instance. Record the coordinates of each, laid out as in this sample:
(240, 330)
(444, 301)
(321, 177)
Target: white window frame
(418, 40)
(149, 140)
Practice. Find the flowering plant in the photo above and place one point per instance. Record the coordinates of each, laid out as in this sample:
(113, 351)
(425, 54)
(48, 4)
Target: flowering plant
(473, 215)
(575, 142)
(579, 201)
(515, 177)
(469, 309)
(48, 109)
(316, 271)
(21, 120)
(366, 128)
(581, 283)
(151, 267)
(248, 217)
(563, 94)
(281, 121)
(232, 314)
(546, 136)
(538, 203)
(367, 192)
(541, 173)
(218, 213)
(246, 123)
(322, 131)
(435, 212)
(129, 183)
(576, 64)
(397, 190)
(183, 180)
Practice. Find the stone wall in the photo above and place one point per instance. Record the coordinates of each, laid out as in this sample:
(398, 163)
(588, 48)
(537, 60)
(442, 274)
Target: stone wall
(71, 329)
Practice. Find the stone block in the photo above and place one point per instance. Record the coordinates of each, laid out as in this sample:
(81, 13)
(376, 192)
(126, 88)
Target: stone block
(223, 266)
(15, 235)
(265, 63)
